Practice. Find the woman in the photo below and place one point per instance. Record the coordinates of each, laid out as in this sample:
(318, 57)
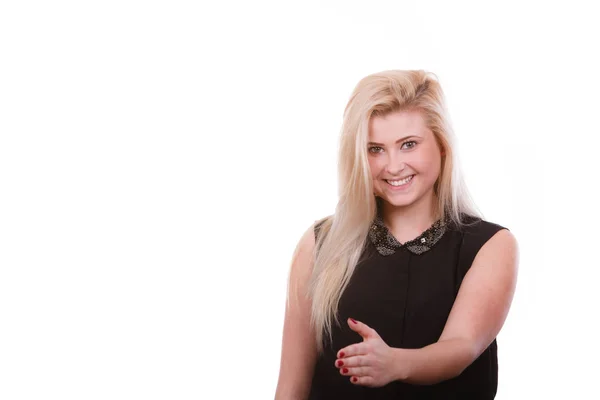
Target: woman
(400, 293)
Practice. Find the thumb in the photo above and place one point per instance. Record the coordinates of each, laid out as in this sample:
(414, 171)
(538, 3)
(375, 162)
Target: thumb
(362, 329)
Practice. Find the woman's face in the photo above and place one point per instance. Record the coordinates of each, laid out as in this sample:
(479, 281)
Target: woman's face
(401, 146)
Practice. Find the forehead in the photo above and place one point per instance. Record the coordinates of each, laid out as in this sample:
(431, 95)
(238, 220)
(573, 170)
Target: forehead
(398, 124)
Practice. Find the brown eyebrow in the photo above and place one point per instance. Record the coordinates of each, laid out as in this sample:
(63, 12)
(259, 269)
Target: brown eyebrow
(397, 141)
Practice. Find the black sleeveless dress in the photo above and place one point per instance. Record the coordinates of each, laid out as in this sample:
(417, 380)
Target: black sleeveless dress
(405, 292)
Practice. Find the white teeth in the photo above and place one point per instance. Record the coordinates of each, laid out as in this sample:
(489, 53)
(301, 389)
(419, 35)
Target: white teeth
(400, 183)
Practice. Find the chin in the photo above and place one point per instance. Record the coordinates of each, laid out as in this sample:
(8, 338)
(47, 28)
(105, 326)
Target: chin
(399, 202)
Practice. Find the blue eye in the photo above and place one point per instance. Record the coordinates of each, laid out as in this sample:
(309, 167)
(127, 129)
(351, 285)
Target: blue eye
(410, 141)
(414, 143)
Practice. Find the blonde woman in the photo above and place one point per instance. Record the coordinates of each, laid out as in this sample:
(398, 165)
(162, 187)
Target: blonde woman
(399, 294)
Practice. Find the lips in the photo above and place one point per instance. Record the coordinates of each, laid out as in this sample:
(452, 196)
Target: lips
(399, 179)
(409, 177)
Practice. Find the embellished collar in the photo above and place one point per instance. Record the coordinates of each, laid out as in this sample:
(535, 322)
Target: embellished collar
(387, 244)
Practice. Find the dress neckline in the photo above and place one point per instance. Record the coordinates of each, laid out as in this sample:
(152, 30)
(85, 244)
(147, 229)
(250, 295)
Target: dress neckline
(386, 244)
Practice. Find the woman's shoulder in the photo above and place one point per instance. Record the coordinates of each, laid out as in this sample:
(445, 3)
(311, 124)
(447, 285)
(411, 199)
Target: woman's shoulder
(476, 225)
(318, 224)
(475, 233)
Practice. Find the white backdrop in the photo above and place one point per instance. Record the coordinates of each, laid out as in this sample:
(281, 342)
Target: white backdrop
(160, 160)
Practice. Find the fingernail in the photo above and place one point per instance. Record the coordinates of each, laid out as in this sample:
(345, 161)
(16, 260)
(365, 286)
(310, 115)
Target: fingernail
(341, 354)
(340, 363)
(352, 319)
(345, 370)
(354, 379)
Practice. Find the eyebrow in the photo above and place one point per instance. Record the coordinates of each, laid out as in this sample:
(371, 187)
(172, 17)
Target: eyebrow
(397, 141)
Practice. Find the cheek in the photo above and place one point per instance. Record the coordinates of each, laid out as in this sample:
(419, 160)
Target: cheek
(374, 168)
(434, 170)
(430, 163)
(431, 166)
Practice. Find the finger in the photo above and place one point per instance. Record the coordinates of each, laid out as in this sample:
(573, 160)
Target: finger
(355, 361)
(362, 380)
(354, 350)
(356, 371)
(362, 329)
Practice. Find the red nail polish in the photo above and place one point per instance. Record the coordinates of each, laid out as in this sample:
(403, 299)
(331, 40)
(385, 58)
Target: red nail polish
(341, 354)
(345, 370)
(354, 379)
(352, 319)
(340, 363)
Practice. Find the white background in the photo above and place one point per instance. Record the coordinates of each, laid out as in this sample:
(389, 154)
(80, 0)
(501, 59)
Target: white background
(159, 161)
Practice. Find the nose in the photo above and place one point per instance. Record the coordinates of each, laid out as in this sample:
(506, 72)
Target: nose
(394, 165)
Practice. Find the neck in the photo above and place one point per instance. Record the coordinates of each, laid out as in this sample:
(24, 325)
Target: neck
(408, 222)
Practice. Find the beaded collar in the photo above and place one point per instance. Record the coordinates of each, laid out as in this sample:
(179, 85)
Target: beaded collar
(387, 244)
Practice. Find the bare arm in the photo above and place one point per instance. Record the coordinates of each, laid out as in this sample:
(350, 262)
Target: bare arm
(476, 318)
(298, 351)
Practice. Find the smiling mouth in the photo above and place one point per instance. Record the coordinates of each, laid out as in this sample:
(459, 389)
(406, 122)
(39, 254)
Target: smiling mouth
(400, 182)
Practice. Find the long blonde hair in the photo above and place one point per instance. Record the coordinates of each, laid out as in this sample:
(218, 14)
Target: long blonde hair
(343, 235)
